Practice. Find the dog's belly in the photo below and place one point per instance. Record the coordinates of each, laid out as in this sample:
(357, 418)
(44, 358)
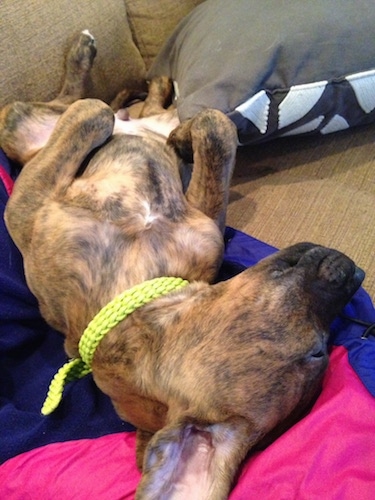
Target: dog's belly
(77, 264)
(123, 221)
(160, 125)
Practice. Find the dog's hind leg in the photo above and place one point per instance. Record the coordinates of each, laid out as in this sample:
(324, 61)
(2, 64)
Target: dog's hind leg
(78, 66)
(125, 98)
(209, 141)
(157, 99)
(25, 127)
(86, 124)
(159, 96)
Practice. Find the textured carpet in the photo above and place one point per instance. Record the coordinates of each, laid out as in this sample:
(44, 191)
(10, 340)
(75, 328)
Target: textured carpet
(317, 188)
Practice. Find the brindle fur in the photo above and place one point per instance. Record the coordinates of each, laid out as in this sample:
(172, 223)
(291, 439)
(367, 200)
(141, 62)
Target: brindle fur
(203, 373)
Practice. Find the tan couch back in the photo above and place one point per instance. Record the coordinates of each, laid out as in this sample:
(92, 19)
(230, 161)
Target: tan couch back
(36, 34)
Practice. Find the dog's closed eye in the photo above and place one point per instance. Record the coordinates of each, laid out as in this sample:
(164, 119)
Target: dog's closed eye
(318, 352)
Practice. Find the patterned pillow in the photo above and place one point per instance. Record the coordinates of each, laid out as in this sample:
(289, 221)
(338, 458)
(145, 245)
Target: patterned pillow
(276, 68)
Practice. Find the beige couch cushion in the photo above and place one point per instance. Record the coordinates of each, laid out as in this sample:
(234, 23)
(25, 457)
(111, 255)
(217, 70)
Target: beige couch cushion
(35, 35)
(152, 22)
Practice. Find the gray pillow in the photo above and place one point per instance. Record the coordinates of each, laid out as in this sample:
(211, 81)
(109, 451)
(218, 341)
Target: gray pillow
(275, 67)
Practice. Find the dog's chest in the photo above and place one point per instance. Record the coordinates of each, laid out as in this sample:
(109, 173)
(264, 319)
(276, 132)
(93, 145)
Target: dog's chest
(130, 177)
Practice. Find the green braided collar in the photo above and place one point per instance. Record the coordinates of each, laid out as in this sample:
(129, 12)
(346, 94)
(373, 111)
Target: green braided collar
(106, 319)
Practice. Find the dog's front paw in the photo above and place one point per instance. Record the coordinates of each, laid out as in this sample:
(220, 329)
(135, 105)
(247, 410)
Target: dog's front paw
(209, 133)
(82, 53)
(181, 141)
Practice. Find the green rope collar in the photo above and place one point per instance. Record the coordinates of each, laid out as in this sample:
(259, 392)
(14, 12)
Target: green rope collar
(106, 319)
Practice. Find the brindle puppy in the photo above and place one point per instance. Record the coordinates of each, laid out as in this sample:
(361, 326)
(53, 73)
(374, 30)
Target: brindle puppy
(206, 372)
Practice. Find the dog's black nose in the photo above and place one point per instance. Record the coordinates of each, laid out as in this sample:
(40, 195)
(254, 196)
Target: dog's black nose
(325, 278)
(319, 268)
(330, 267)
(332, 279)
(334, 268)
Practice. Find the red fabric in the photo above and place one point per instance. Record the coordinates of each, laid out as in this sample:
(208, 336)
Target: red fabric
(329, 455)
(101, 468)
(7, 180)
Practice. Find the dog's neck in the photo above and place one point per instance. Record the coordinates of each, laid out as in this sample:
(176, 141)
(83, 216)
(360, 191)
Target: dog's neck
(107, 318)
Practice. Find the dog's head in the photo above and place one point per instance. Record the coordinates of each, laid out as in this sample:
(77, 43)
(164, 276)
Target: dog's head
(286, 303)
(274, 335)
(284, 308)
(296, 294)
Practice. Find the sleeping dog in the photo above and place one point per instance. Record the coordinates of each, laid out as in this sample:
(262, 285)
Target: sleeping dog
(204, 371)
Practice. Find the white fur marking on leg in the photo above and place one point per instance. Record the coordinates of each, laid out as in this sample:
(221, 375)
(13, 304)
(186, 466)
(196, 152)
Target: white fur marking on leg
(86, 32)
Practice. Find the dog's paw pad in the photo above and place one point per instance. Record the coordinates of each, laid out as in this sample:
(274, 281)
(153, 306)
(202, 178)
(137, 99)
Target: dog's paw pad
(83, 52)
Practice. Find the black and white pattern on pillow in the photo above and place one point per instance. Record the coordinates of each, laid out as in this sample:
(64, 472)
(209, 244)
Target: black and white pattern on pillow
(323, 107)
(276, 68)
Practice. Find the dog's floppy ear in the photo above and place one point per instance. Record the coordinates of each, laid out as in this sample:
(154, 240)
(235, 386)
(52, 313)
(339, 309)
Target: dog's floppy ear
(194, 460)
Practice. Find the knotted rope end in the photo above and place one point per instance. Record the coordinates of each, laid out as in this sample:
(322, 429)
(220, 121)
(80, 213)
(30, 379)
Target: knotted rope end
(72, 370)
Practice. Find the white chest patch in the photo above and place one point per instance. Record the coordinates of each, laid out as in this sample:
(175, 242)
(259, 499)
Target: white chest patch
(149, 216)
